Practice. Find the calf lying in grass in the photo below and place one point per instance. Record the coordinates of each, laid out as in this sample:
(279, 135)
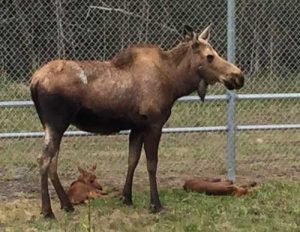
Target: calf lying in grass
(216, 187)
(86, 186)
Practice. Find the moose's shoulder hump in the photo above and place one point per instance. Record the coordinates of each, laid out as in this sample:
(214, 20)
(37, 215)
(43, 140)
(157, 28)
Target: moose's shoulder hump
(125, 58)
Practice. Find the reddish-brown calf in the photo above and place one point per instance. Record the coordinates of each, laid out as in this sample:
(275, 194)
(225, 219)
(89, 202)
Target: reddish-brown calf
(216, 187)
(86, 186)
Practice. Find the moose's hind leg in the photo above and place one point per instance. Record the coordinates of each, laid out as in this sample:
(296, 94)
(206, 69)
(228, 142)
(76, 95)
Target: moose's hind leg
(63, 197)
(56, 112)
(50, 148)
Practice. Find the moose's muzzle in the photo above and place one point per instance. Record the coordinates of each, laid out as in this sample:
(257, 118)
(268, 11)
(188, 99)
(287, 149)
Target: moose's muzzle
(236, 81)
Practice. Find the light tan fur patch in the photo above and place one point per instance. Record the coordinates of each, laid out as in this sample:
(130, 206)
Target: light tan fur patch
(82, 77)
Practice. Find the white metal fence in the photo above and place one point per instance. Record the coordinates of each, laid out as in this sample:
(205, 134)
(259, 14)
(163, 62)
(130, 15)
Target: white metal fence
(258, 129)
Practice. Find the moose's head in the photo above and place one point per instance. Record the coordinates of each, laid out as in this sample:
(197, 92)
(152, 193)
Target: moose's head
(211, 68)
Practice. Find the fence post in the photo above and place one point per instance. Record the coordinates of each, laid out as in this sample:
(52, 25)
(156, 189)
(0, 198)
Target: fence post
(230, 149)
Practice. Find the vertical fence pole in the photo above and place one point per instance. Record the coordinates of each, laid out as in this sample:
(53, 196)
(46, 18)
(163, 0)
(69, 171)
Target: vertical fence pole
(230, 149)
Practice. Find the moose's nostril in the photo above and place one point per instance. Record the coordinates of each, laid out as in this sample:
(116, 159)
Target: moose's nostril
(230, 85)
(239, 80)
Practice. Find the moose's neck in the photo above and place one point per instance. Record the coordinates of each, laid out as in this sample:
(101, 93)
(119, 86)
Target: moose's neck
(184, 78)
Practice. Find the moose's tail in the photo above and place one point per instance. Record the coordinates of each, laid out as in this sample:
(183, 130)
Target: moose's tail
(34, 88)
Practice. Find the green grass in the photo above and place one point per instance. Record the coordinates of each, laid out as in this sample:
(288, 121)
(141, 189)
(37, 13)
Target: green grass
(274, 206)
(13, 90)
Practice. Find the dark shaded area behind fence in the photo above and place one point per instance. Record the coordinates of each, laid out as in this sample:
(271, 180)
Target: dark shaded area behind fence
(34, 31)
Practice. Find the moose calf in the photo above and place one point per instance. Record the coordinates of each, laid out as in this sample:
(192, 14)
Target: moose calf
(216, 187)
(86, 186)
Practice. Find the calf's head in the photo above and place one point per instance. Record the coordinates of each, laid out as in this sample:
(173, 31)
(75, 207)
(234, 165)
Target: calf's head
(89, 177)
(209, 66)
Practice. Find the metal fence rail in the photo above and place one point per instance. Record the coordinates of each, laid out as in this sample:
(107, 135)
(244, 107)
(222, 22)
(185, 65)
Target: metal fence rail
(266, 96)
(18, 135)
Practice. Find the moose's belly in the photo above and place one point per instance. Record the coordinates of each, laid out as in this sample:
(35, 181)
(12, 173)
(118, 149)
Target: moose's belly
(104, 123)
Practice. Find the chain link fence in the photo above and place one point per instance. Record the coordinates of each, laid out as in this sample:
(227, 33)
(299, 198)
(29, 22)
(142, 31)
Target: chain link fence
(267, 48)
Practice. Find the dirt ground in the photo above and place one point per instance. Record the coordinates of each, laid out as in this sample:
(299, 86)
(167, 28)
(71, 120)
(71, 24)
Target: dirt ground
(30, 187)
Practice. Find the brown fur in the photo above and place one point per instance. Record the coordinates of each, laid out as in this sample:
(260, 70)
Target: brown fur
(126, 58)
(135, 90)
(86, 186)
(216, 187)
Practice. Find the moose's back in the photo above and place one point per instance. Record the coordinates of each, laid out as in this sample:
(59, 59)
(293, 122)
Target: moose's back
(105, 97)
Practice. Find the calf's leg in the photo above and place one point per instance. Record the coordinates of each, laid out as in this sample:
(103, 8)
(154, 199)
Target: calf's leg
(135, 147)
(151, 143)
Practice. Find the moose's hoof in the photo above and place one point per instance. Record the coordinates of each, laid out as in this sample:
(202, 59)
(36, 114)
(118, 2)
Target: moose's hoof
(48, 215)
(126, 200)
(68, 208)
(156, 209)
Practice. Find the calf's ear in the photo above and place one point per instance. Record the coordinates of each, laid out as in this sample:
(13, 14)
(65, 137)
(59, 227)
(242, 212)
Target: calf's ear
(94, 167)
(81, 170)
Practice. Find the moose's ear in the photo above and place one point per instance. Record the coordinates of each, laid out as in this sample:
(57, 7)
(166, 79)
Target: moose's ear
(205, 34)
(188, 33)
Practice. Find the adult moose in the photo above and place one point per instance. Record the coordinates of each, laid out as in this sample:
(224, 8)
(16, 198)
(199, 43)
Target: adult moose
(135, 90)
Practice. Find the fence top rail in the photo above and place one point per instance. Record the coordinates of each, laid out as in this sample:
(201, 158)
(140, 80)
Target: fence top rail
(263, 96)
(268, 96)
(124, 132)
(10, 135)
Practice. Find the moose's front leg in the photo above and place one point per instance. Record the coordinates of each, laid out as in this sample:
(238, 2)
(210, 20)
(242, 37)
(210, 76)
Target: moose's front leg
(151, 142)
(135, 147)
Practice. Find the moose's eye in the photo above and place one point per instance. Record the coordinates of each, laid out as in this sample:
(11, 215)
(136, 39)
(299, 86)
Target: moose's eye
(210, 58)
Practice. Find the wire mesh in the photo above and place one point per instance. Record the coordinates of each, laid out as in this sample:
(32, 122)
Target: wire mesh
(267, 43)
